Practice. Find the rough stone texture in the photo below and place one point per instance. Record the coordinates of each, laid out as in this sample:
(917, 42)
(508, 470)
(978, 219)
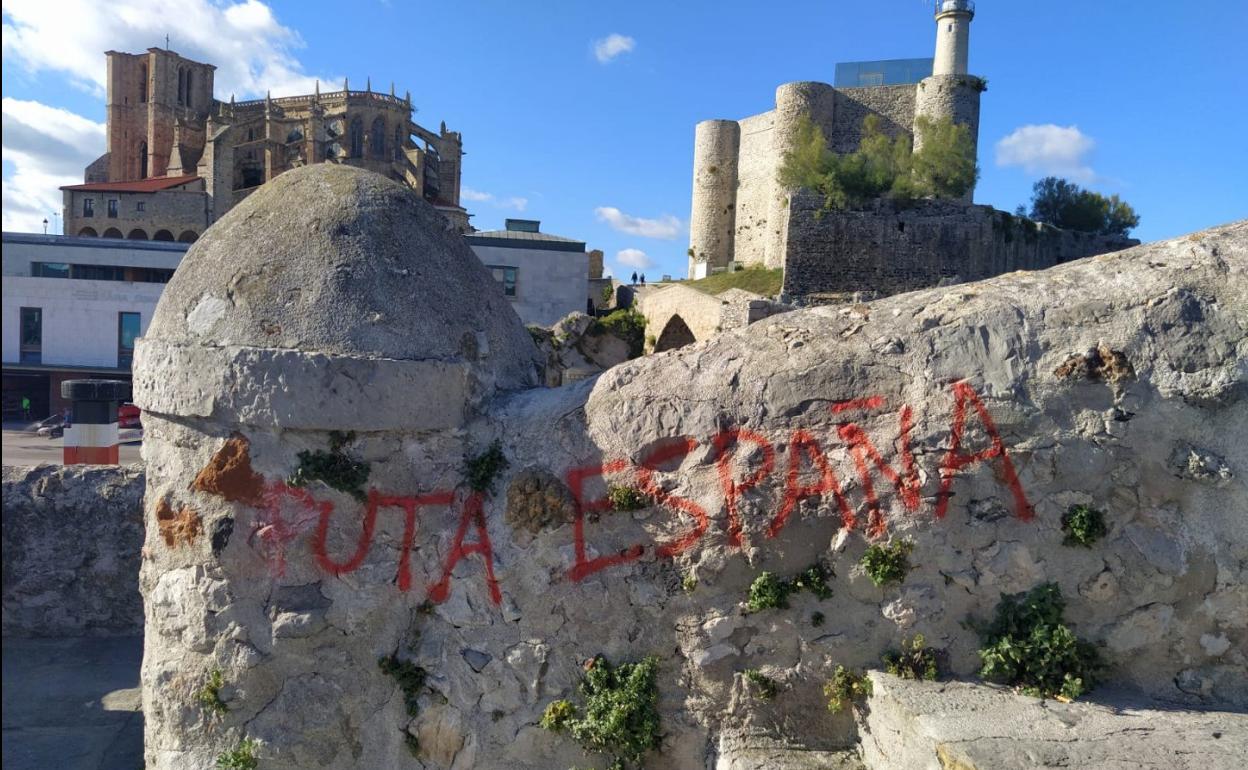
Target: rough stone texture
(889, 249)
(72, 536)
(576, 348)
(931, 726)
(313, 586)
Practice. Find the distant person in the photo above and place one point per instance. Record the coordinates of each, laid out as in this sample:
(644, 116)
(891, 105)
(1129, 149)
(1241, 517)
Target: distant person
(643, 279)
(25, 407)
(634, 277)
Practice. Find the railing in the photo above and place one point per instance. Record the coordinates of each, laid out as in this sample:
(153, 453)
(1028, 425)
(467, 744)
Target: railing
(944, 6)
(281, 100)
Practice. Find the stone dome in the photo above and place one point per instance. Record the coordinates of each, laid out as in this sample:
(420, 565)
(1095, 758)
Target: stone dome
(341, 261)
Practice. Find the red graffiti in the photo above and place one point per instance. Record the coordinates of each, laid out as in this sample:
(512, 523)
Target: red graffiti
(274, 530)
(861, 448)
(858, 404)
(473, 513)
(409, 505)
(576, 478)
(802, 443)
(955, 460)
(654, 461)
(733, 489)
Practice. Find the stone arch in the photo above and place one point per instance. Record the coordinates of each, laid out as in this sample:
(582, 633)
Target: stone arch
(188, 236)
(111, 232)
(88, 232)
(377, 137)
(162, 235)
(355, 137)
(137, 234)
(676, 334)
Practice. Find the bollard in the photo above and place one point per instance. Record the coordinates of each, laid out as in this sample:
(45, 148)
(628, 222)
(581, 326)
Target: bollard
(91, 438)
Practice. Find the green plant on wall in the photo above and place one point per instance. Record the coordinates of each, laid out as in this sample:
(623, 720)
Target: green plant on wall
(768, 592)
(481, 470)
(887, 563)
(241, 757)
(621, 717)
(1083, 525)
(626, 324)
(627, 498)
(814, 579)
(761, 686)
(845, 688)
(410, 678)
(1028, 646)
(334, 467)
(209, 696)
(915, 660)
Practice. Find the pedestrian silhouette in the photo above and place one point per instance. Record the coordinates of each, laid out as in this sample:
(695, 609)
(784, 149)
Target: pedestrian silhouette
(634, 277)
(643, 279)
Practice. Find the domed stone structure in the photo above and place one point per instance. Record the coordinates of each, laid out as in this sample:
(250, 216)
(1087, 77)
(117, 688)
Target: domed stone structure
(337, 263)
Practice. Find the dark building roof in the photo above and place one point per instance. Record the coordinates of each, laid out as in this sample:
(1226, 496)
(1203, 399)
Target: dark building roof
(524, 234)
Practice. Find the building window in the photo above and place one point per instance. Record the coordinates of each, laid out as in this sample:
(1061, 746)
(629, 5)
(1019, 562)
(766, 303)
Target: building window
(357, 138)
(88, 207)
(506, 277)
(128, 330)
(112, 207)
(32, 335)
(181, 85)
(377, 138)
(49, 269)
(140, 206)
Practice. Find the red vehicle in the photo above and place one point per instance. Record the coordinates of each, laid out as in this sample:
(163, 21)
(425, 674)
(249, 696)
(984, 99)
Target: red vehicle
(128, 416)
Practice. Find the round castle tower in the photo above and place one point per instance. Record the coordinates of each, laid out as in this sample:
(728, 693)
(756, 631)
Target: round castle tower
(950, 92)
(713, 218)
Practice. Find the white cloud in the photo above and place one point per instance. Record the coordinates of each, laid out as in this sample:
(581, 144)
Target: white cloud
(253, 52)
(514, 203)
(1048, 149)
(634, 258)
(666, 227)
(47, 147)
(469, 194)
(612, 46)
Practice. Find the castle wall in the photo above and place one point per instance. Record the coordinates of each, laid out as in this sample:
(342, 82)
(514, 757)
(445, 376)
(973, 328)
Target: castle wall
(889, 249)
(711, 221)
(894, 105)
(756, 170)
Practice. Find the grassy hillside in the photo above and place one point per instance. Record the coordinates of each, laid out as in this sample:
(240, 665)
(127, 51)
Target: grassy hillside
(756, 279)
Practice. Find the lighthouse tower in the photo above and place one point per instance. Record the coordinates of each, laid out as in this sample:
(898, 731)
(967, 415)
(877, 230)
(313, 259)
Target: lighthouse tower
(953, 36)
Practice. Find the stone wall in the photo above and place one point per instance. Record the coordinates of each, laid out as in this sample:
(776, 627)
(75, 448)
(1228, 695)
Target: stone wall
(893, 104)
(308, 564)
(888, 248)
(171, 214)
(72, 537)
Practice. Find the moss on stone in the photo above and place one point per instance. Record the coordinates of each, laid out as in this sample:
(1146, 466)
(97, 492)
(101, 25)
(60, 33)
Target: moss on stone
(334, 468)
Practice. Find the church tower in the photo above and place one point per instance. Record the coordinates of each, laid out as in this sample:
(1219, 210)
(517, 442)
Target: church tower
(953, 36)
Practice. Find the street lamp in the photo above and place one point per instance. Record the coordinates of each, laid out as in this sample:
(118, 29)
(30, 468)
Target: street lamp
(45, 225)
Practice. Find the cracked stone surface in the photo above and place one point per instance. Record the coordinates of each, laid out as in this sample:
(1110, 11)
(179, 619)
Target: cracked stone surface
(911, 725)
(310, 587)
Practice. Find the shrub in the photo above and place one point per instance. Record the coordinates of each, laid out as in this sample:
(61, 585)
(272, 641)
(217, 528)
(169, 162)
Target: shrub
(761, 685)
(410, 678)
(887, 563)
(480, 471)
(1028, 646)
(816, 619)
(209, 696)
(241, 757)
(768, 592)
(882, 166)
(558, 715)
(915, 661)
(844, 688)
(627, 498)
(621, 710)
(1064, 204)
(1083, 525)
(814, 579)
(689, 583)
(333, 467)
(628, 325)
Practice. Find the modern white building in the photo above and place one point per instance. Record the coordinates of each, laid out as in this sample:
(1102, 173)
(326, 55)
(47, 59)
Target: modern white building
(73, 308)
(545, 276)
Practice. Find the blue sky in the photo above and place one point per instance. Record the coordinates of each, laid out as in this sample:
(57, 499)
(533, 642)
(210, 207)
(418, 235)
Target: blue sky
(1144, 99)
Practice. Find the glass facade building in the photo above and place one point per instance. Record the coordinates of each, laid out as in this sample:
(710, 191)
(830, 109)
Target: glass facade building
(887, 72)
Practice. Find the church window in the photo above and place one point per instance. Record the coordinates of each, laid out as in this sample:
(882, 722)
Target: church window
(181, 85)
(378, 138)
(357, 138)
(188, 88)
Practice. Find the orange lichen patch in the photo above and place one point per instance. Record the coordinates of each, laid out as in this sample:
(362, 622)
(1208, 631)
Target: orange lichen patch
(177, 528)
(1099, 363)
(229, 474)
